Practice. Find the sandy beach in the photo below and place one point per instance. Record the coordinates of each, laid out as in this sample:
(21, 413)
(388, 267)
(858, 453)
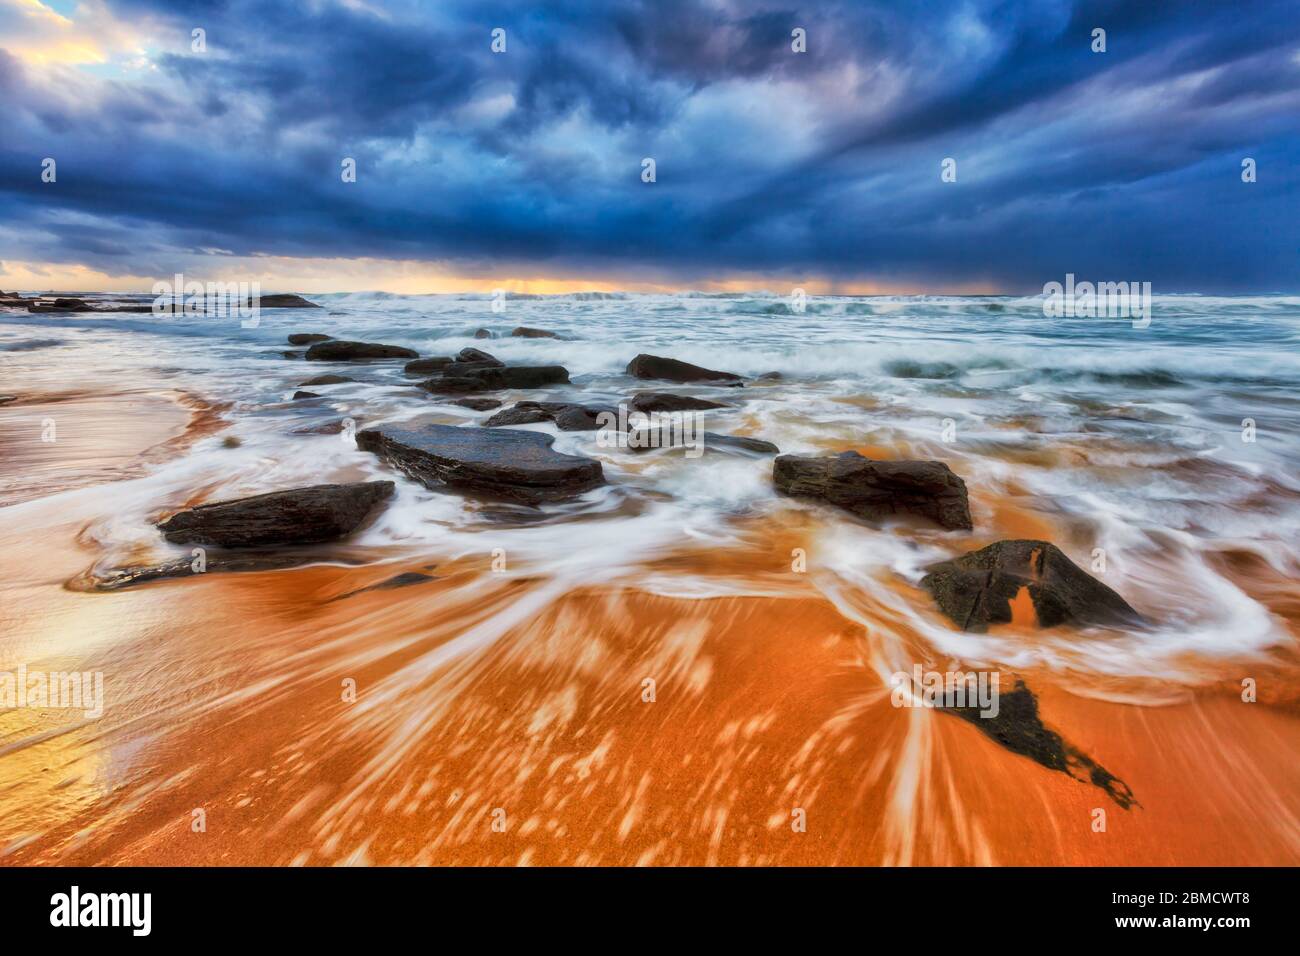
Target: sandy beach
(501, 718)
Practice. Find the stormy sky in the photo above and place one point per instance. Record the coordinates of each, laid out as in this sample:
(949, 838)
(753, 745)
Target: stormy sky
(772, 166)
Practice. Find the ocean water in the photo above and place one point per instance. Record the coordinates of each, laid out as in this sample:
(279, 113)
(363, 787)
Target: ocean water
(1115, 440)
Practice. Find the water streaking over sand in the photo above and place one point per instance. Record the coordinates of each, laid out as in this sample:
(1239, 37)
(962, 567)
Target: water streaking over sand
(521, 690)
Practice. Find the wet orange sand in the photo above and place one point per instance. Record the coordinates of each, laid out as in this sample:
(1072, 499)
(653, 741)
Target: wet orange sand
(507, 720)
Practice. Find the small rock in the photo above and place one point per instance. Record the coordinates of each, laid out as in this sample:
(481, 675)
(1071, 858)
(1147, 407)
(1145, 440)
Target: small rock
(301, 394)
(648, 402)
(308, 338)
(568, 417)
(483, 334)
(478, 356)
(771, 377)
(673, 370)
(334, 351)
(1034, 578)
(403, 580)
(328, 380)
(524, 332)
(6, 399)
(298, 516)
(478, 404)
(426, 365)
(876, 490)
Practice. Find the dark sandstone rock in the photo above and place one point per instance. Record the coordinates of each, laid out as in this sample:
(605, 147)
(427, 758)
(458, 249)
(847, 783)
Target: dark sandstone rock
(294, 354)
(478, 355)
(524, 332)
(327, 380)
(308, 338)
(976, 589)
(876, 490)
(515, 465)
(647, 402)
(673, 370)
(285, 300)
(301, 394)
(568, 417)
(59, 305)
(481, 379)
(478, 404)
(426, 365)
(483, 334)
(297, 516)
(333, 351)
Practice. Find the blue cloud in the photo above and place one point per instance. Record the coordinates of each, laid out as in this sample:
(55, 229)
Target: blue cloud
(1123, 164)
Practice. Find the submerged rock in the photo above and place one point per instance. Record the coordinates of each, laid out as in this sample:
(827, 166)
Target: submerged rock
(568, 417)
(117, 579)
(297, 516)
(333, 351)
(478, 404)
(876, 490)
(647, 402)
(6, 399)
(1019, 728)
(483, 334)
(673, 370)
(301, 394)
(666, 436)
(308, 338)
(327, 380)
(524, 332)
(515, 465)
(404, 580)
(1028, 581)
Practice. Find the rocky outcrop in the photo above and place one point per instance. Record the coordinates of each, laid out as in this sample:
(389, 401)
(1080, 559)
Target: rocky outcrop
(285, 301)
(59, 305)
(503, 463)
(466, 361)
(673, 370)
(877, 490)
(1030, 582)
(524, 332)
(647, 402)
(333, 351)
(308, 338)
(568, 417)
(298, 516)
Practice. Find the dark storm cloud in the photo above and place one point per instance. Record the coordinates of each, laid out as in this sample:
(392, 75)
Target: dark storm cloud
(1124, 164)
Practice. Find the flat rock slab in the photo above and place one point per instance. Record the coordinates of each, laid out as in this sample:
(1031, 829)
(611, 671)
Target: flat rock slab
(647, 402)
(877, 490)
(477, 404)
(666, 436)
(524, 332)
(1026, 581)
(509, 464)
(352, 351)
(327, 380)
(308, 338)
(297, 516)
(673, 370)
